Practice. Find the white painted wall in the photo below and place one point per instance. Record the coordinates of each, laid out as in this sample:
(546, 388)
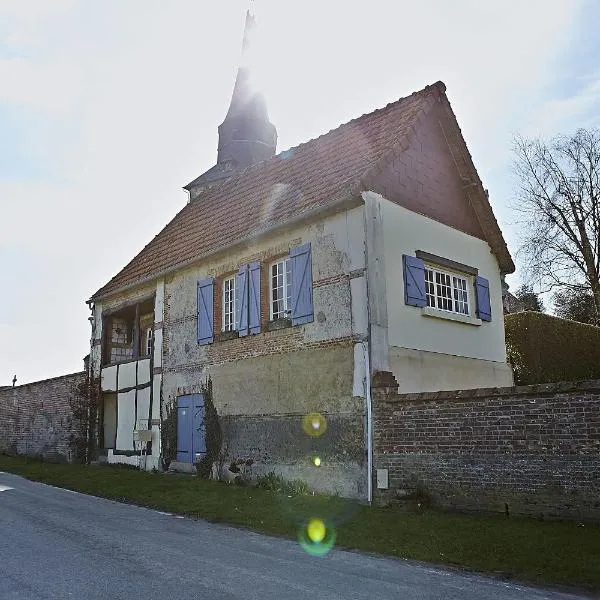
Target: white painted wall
(404, 232)
(125, 420)
(143, 372)
(143, 408)
(109, 379)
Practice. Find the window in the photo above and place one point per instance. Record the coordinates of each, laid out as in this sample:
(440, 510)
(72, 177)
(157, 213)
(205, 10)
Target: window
(149, 338)
(446, 291)
(229, 304)
(281, 289)
(128, 333)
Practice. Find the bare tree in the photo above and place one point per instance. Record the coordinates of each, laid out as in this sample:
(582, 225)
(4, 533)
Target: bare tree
(559, 193)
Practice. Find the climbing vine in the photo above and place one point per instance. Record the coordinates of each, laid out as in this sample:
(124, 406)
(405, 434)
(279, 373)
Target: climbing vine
(213, 432)
(85, 404)
(168, 434)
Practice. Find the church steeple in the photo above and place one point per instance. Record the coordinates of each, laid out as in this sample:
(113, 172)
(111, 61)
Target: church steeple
(246, 136)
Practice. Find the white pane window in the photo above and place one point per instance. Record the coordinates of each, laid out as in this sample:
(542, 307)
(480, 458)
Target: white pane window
(281, 289)
(149, 338)
(446, 291)
(229, 304)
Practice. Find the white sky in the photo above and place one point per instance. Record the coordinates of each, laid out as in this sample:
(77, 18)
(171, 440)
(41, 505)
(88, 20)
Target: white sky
(108, 108)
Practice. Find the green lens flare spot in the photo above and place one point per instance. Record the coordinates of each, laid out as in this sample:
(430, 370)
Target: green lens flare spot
(316, 461)
(314, 424)
(316, 537)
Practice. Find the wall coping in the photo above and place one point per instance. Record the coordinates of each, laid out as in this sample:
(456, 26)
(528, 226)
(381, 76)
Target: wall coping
(540, 389)
(10, 388)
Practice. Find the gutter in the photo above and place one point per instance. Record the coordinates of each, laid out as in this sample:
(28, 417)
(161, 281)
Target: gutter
(369, 424)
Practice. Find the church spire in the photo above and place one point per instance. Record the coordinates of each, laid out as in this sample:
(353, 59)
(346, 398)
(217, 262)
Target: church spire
(246, 136)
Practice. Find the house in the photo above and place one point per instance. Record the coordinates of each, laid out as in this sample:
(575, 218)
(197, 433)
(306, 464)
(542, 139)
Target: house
(291, 279)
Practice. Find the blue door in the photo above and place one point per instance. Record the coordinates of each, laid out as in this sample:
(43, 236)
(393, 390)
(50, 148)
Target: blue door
(191, 436)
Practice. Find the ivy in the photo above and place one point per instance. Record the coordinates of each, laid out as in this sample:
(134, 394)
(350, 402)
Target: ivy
(213, 433)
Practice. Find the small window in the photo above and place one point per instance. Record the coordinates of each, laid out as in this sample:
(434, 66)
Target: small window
(446, 291)
(281, 289)
(229, 304)
(149, 338)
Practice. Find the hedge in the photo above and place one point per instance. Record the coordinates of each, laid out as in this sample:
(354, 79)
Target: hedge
(546, 349)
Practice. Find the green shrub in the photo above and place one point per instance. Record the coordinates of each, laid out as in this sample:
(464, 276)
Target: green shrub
(546, 349)
(276, 483)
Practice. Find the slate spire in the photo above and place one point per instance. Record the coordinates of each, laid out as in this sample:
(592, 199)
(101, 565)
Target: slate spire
(246, 136)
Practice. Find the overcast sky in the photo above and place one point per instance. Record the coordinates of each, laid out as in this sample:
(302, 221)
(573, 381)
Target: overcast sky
(107, 108)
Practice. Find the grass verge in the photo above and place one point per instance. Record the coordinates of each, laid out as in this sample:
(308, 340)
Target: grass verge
(543, 552)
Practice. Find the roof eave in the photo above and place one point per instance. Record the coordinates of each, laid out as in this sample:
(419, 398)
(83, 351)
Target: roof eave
(348, 199)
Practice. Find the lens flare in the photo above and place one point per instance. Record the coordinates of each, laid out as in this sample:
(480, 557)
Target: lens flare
(314, 424)
(316, 537)
(316, 531)
(316, 461)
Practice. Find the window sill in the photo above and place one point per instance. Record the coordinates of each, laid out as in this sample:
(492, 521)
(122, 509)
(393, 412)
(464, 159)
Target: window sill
(279, 324)
(226, 335)
(427, 311)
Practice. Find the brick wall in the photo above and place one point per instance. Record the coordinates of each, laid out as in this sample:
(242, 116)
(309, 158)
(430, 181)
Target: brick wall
(532, 450)
(35, 419)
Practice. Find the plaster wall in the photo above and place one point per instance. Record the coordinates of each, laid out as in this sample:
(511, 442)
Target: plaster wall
(428, 353)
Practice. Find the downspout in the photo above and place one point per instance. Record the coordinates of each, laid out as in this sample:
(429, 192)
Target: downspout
(369, 424)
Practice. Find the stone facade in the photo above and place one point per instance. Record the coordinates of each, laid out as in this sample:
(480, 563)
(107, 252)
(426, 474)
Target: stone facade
(264, 384)
(35, 419)
(529, 450)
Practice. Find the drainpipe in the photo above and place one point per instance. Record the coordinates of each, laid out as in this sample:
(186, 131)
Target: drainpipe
(369, 424)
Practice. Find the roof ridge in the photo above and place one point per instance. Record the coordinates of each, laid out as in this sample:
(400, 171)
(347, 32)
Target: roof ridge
(335, 164)
(439, 87)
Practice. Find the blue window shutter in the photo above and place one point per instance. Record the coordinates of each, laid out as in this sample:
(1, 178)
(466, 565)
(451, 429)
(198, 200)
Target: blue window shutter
(206, 311)
(482, 295)
(241, 301)
(254, 297)
(302, 289)
(414, 281)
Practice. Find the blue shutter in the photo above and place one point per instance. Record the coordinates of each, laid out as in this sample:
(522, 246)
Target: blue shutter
(414, 281)
(254, 297)
(206, 311)
(302, 291)
(241, 301)
(482, 295)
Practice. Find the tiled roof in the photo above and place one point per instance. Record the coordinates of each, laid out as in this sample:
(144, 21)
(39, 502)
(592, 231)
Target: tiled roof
(300, 180)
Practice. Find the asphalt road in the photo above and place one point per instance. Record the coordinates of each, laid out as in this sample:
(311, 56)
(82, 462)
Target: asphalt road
(60, 544)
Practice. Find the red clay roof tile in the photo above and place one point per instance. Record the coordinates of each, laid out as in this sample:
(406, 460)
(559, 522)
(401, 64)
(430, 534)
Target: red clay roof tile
(303, 178)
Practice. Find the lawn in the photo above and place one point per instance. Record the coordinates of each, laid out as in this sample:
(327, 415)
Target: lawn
(544, 552)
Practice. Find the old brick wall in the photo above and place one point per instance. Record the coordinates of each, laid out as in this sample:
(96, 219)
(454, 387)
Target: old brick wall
(35, 419)
(530, 450)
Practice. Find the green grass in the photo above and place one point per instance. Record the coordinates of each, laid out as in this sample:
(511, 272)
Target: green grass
(543, 552)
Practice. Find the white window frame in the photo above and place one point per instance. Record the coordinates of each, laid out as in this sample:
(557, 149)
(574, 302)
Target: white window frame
(149, 340)
(284, 269)
(460, 297)
(228, 304)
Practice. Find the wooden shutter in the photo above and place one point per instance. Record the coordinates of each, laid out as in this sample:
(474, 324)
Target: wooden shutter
(254, 297)
(414, 281)
(482, 295)
(206, 311)
(241, 301)
(302, 290)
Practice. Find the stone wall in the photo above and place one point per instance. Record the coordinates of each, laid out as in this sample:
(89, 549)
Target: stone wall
(35, 419)
(528, 450)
